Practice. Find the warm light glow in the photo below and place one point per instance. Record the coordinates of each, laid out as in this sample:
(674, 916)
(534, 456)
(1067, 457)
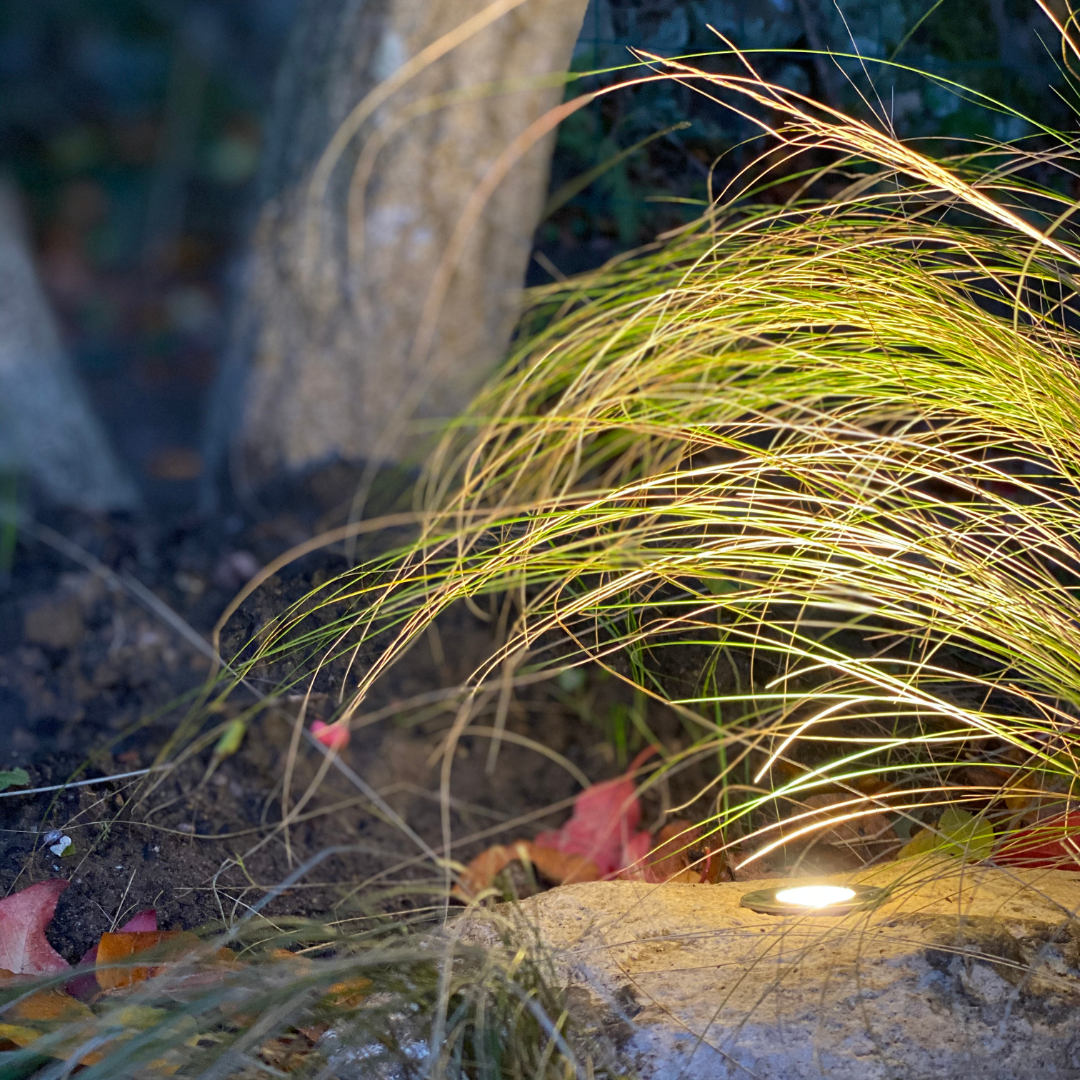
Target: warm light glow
(815, 896)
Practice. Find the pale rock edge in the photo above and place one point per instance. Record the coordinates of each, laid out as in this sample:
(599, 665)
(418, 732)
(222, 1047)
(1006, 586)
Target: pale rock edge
(963, 971)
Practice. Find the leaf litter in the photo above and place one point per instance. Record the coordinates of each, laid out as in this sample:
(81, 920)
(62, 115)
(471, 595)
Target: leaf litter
(602, 840)
(63, 1020)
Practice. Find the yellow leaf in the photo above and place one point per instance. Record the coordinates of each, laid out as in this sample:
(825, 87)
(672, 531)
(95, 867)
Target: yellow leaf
(53, 1006)
(19, 1035)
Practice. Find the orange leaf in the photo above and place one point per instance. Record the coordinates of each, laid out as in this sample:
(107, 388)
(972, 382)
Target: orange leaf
(115, 948)
(559, 867)
(347, 994)
(482, 871)
(303, 963)
(42, 1013)
(679, 854)
(554, 866)
(49, 1005)
(86, 985)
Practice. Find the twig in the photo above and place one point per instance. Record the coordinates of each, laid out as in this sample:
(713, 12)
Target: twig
(84, 783)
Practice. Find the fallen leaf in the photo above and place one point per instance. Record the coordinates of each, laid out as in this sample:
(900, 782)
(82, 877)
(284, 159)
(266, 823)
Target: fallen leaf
(115, 948)
(634, 854)
(288, 1053)
(599, 841)
(303, 964)
(554, 866)
(86, 985)
(169, 1065)
(1053, 843)
(13, 778)
(957, 833)
(680, 855)
(50, 1005)
(143, 922)
(347, 994)
(481, 872)
(602, 826)
(19, 1034)
(24, 915)
(41, 1013)
(561, 867)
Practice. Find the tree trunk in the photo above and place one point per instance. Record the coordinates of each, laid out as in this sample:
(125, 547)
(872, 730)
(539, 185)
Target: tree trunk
(47, 429)
(351, 321)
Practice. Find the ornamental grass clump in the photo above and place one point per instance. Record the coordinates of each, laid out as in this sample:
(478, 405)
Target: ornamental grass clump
(826, 449)
(836, 438)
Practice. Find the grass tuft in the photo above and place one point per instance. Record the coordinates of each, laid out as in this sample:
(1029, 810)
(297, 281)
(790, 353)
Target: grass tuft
(834, 439)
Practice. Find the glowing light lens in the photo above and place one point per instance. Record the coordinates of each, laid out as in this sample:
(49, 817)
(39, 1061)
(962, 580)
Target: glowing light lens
(815, 896)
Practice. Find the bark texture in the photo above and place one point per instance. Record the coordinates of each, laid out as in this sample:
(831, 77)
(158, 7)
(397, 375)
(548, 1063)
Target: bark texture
(346, 331)
(47, 429)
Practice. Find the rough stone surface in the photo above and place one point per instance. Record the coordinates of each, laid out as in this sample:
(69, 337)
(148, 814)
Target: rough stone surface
(964, 971)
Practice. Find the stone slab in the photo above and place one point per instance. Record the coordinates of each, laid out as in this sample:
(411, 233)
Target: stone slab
(964, 971)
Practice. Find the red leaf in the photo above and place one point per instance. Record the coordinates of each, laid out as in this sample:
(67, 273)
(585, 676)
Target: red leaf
(602, 826)
(1053, 844)
(23, 918)
(141, 923)
(634, 852)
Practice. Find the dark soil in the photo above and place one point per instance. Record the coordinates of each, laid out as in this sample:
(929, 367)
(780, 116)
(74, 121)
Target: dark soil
(93, 684)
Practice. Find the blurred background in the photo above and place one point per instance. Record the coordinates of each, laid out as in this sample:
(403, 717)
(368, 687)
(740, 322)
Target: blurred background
(133, 128)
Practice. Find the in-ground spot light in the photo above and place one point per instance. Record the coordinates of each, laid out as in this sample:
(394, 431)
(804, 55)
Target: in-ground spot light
(813, 899)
